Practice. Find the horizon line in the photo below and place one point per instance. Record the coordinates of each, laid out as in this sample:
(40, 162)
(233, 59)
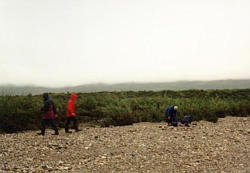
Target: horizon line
(118, 83)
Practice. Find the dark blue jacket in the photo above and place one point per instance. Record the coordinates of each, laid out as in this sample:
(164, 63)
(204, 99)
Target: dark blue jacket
(172, 113)
(48, 108)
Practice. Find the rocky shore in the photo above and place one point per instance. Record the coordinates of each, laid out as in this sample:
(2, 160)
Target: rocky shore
(144, 147)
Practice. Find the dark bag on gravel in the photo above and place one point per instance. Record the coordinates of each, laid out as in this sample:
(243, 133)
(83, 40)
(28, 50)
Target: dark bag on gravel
(187, 119)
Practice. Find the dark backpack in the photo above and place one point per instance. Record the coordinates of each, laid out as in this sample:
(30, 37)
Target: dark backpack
(187, 119)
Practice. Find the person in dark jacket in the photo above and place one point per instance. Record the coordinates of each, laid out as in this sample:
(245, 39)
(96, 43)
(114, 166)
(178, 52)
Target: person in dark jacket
(48, 114)
(70, 114)
(170, 113)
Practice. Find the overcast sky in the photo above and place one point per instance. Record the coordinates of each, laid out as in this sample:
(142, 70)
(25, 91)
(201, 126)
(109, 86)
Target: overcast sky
(72, 42)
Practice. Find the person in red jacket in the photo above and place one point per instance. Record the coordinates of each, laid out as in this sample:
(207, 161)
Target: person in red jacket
(70, 114)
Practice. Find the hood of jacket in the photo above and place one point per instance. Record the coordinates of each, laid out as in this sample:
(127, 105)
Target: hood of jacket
(45, 96)
(73, 97)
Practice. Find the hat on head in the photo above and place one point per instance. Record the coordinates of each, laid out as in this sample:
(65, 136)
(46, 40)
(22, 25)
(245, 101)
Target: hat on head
(175, 108)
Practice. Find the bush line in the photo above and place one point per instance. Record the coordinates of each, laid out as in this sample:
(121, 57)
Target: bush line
(18, 113)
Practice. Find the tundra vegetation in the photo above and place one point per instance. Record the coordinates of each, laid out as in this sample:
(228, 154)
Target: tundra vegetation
(18, 113)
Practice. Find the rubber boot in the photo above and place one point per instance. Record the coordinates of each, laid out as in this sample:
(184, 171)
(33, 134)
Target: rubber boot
(41, 133)
(67, 130)
(56, 132)
(78, 130)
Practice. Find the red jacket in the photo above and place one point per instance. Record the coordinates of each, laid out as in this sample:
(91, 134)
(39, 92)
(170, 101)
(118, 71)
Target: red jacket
(71, 106)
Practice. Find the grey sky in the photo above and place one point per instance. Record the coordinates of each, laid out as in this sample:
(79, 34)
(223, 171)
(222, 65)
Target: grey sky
(71, 42)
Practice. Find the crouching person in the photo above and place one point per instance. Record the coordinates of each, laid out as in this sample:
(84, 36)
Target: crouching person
(186, 120)
(70, 114)
(48, 114)
(171, 117)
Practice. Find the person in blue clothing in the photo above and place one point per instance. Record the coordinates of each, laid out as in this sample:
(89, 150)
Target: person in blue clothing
(171, 117)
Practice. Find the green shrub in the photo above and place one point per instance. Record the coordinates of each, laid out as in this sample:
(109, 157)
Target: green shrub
(19, 113)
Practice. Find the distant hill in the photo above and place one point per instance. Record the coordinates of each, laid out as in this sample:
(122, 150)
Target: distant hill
(180, 85)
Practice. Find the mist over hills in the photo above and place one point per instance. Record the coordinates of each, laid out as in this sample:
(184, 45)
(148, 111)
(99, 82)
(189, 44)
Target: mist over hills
(179, 85)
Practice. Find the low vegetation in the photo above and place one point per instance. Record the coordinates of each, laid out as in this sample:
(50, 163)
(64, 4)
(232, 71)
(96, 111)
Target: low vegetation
(19, 113)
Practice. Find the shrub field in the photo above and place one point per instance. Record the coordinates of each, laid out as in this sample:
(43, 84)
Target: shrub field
(18, 113)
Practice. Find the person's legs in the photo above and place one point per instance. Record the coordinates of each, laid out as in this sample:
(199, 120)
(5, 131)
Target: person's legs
(44, 122)
(75, 124)
(53, 124)
(174, 121)
(67, 125)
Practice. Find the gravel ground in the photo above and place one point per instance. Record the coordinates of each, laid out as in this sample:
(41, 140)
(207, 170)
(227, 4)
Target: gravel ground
(144, 147)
